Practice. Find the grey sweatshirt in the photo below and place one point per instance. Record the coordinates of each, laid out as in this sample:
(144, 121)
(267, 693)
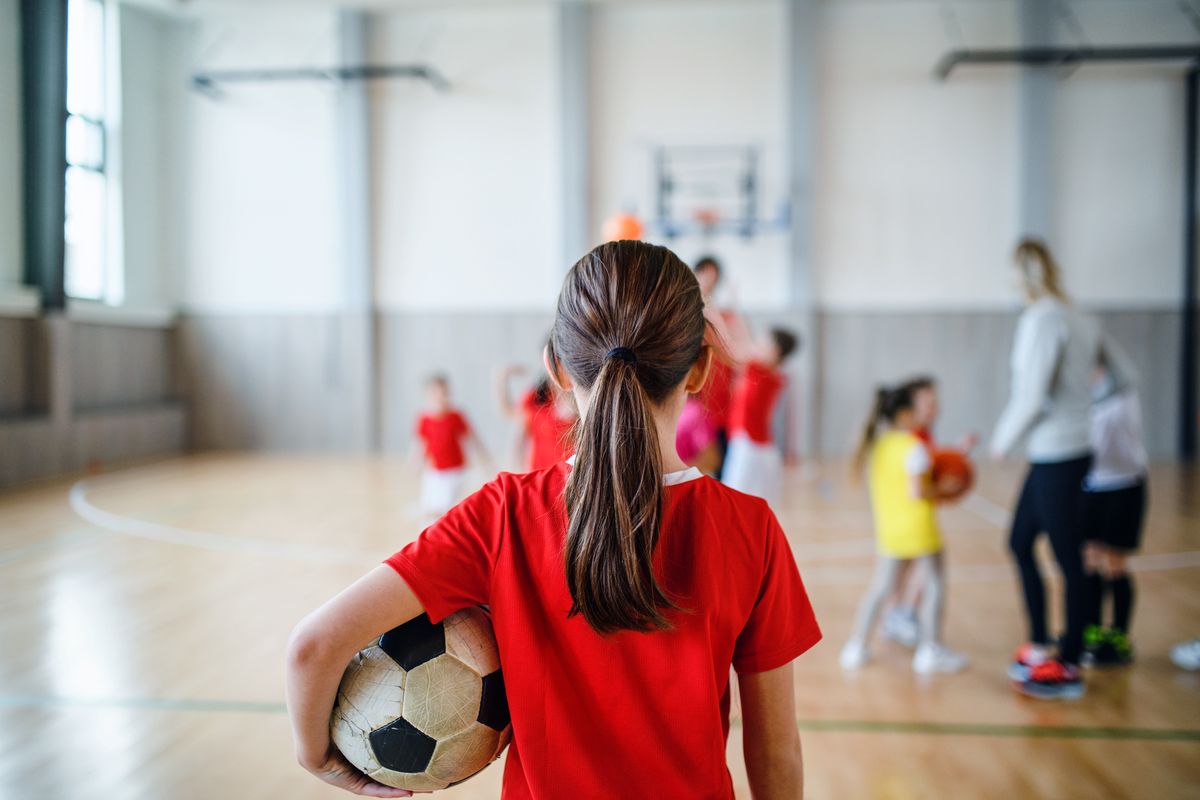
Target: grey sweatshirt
(1054, 354)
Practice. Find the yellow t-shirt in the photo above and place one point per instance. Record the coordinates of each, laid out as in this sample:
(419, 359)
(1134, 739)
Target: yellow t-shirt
(905, 526)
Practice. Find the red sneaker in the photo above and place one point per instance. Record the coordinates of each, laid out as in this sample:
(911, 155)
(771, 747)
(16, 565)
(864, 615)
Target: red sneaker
(1053, 680)
(1027, 656)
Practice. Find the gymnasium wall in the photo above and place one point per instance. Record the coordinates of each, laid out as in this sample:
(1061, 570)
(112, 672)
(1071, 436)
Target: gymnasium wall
(147, 130)
(95, 384)
(233, 218)
(10, 150)
(916, 212)
(919, 204)
(693, 74)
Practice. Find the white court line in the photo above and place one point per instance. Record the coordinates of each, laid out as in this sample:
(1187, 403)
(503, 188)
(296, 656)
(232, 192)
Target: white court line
(204, 540)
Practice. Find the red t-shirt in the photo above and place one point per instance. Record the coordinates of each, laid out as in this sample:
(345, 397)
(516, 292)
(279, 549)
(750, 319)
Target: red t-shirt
(754, 399)
(630, 714)
(716, 394)
(549, 434)
(443, 435)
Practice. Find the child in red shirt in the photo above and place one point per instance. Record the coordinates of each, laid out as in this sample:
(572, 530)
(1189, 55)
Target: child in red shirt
(546, 416)
(622, 585)
(442, 431)
(754, 464)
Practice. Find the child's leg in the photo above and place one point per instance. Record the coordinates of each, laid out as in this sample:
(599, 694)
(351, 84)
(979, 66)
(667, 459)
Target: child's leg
(1126, 539)
(1120, 583)
(933, 599)
(887, 570)
(914, 584)
(1094, 567)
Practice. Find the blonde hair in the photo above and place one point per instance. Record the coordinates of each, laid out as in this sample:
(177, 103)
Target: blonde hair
(1039, 271)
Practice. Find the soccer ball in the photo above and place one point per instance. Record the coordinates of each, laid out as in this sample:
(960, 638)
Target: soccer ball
(424, 706)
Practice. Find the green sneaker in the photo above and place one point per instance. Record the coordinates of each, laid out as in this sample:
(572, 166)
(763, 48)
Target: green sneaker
(1118, 645)
(1093, 637)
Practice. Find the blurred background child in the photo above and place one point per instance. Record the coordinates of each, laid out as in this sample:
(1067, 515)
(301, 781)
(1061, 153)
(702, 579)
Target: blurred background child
(899, 469)
(546, 417)
(443, 432)
(1115, 507)
(754, 463)
(706, 424)
(900, 621)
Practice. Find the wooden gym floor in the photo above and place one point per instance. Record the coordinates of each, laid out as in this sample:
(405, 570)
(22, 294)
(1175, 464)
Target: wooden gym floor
(143, 615)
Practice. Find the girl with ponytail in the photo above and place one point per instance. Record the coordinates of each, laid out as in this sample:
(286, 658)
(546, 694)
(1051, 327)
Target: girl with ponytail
(903, 496)
(622, 584)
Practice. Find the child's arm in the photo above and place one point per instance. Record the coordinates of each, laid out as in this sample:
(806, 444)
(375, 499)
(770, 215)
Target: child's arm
(317, 654)
(770, 739)
(507, 407)
(919, 466)
(480, 450)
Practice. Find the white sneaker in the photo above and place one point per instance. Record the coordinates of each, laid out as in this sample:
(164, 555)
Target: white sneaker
(933, 657)
(901, 627)
(1186, 655)
(854, 655)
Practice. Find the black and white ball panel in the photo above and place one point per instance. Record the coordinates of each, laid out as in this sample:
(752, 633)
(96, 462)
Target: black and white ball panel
(424, 707)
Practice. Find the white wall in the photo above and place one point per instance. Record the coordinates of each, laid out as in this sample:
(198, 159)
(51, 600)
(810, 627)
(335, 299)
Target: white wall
(708, 73)
(150, 88)
(10, 145)
(259, 192)
(1119, 185)
(464, 183)
(916, 179)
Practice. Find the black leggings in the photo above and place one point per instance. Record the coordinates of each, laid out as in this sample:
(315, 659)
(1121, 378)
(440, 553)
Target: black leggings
(1052, 501)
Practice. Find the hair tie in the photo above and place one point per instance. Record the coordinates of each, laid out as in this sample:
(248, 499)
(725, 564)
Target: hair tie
(623, 353)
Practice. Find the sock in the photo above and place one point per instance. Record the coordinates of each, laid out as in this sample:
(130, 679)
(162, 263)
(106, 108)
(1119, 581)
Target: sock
(1122, 592)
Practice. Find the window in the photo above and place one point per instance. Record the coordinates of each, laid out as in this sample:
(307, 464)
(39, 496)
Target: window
(87, 178)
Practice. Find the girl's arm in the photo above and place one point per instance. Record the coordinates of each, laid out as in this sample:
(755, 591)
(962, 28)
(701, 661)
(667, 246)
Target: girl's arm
(481, 451)
(770, 739)
(507, 407)
(317, 654)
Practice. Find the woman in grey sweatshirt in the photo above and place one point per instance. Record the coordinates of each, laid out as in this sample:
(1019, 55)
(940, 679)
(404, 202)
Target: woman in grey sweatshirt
(1055, 352)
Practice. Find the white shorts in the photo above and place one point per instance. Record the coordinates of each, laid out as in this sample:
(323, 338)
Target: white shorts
(753, 468)
(441, 489)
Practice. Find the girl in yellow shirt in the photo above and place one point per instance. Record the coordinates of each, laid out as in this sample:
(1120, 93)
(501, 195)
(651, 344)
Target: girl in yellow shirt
(898, 466)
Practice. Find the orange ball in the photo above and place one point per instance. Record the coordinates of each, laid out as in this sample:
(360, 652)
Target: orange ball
(953, 465)
(622, 226)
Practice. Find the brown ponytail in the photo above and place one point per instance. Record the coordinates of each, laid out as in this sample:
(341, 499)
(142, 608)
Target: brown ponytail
(628, 328)
(888, 403)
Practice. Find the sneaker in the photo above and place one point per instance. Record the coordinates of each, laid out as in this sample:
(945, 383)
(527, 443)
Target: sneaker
(1115, 651)
(1053, 680)
(854, 655)
(1094, 636)
(901, 627)
(1027, 657)
(935, 657)
(1186, 655)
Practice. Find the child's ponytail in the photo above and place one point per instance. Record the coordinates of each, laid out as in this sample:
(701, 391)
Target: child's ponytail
(870, 429)
(888, 403)
(629, 327)
(614, 499)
